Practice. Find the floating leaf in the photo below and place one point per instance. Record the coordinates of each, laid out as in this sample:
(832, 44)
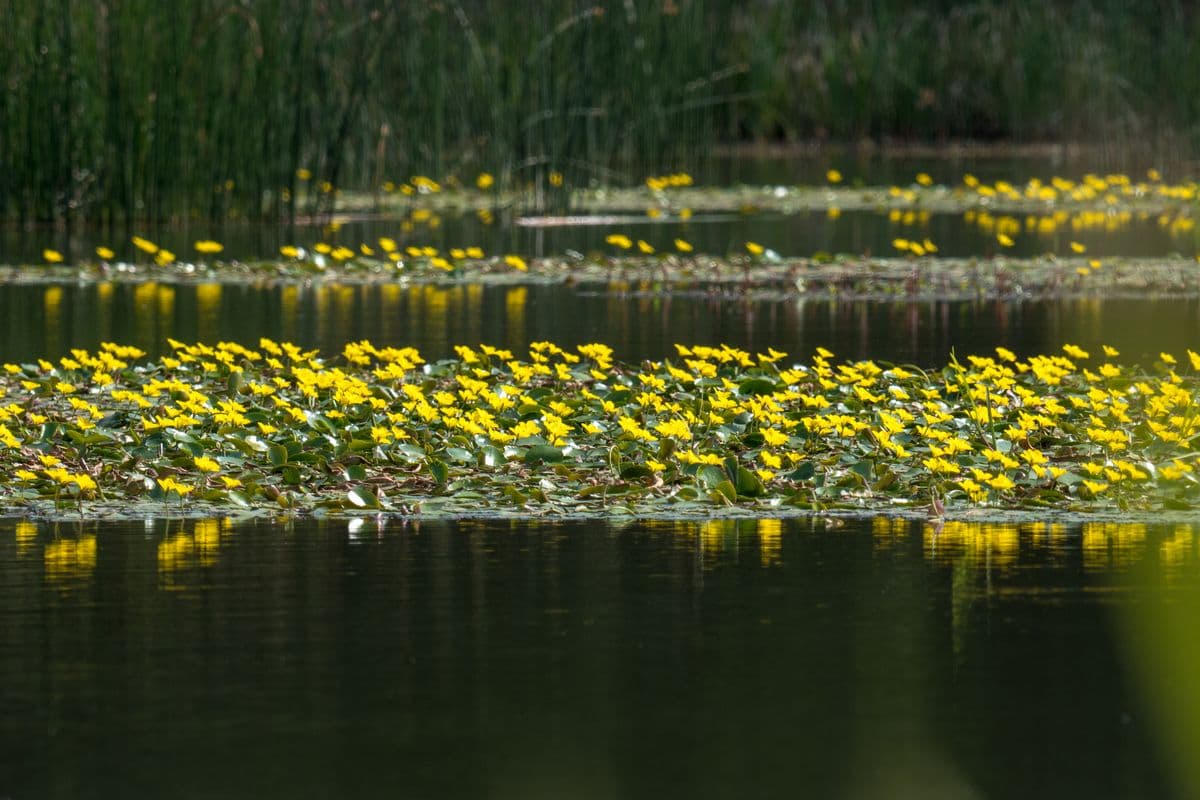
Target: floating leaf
(362, 497)
(543, 452)
(748, 484)
(757, 386)
(278, 455)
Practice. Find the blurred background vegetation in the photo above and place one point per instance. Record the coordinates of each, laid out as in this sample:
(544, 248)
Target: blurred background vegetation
(139, 109)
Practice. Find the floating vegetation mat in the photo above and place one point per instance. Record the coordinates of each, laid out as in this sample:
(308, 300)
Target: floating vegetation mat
(1105, 193)
(764, 275)
(558, 432)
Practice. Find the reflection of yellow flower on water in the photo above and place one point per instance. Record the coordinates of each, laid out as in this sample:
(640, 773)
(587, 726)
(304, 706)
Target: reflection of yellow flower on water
(714, 534)
(770, 535)
(70, 560)
(26, 534)
(1111, 545)
(983, 543)
(186, 550)
(1177, 548)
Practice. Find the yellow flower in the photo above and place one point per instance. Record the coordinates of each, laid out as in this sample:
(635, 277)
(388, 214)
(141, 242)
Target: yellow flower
(645, 246)
(84, 482)
(556, 178)
(164, 257)
(773, 437)
(924, 179)
(1001, 483)
(1005, 240)
(516, 262)
(304, 174)
(169, 485)
(1095, 487)
(833, 176)
(683, 246)
(208, 246)
(755, 249)
(1078, 248)
(206, 464)
(289, 251)
(105, 253)
(53, 256)
(484, 181)
(619, 240)
(230, 483)
(145, 245)
(656, 466)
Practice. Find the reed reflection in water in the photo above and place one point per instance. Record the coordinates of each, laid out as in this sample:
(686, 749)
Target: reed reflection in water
(46, 321)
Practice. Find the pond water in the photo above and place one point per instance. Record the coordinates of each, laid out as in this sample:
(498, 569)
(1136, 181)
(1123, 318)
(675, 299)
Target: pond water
(47, 321)
(862, 659)
(799, 234)
(773, 658)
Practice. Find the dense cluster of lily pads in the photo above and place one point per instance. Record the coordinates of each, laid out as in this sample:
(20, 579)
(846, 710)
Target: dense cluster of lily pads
(555, 431)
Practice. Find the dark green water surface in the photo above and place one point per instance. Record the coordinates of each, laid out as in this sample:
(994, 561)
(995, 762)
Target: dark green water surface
(47, 321)
(650, 659)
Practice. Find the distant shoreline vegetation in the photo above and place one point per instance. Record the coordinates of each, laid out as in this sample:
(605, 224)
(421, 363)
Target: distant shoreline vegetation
(139, 110)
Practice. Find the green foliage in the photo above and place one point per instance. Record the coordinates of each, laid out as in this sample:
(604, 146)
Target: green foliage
(566, 432)
(136, 109)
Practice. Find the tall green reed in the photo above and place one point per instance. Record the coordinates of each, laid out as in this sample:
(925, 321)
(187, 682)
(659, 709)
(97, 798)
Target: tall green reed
(132, 110)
